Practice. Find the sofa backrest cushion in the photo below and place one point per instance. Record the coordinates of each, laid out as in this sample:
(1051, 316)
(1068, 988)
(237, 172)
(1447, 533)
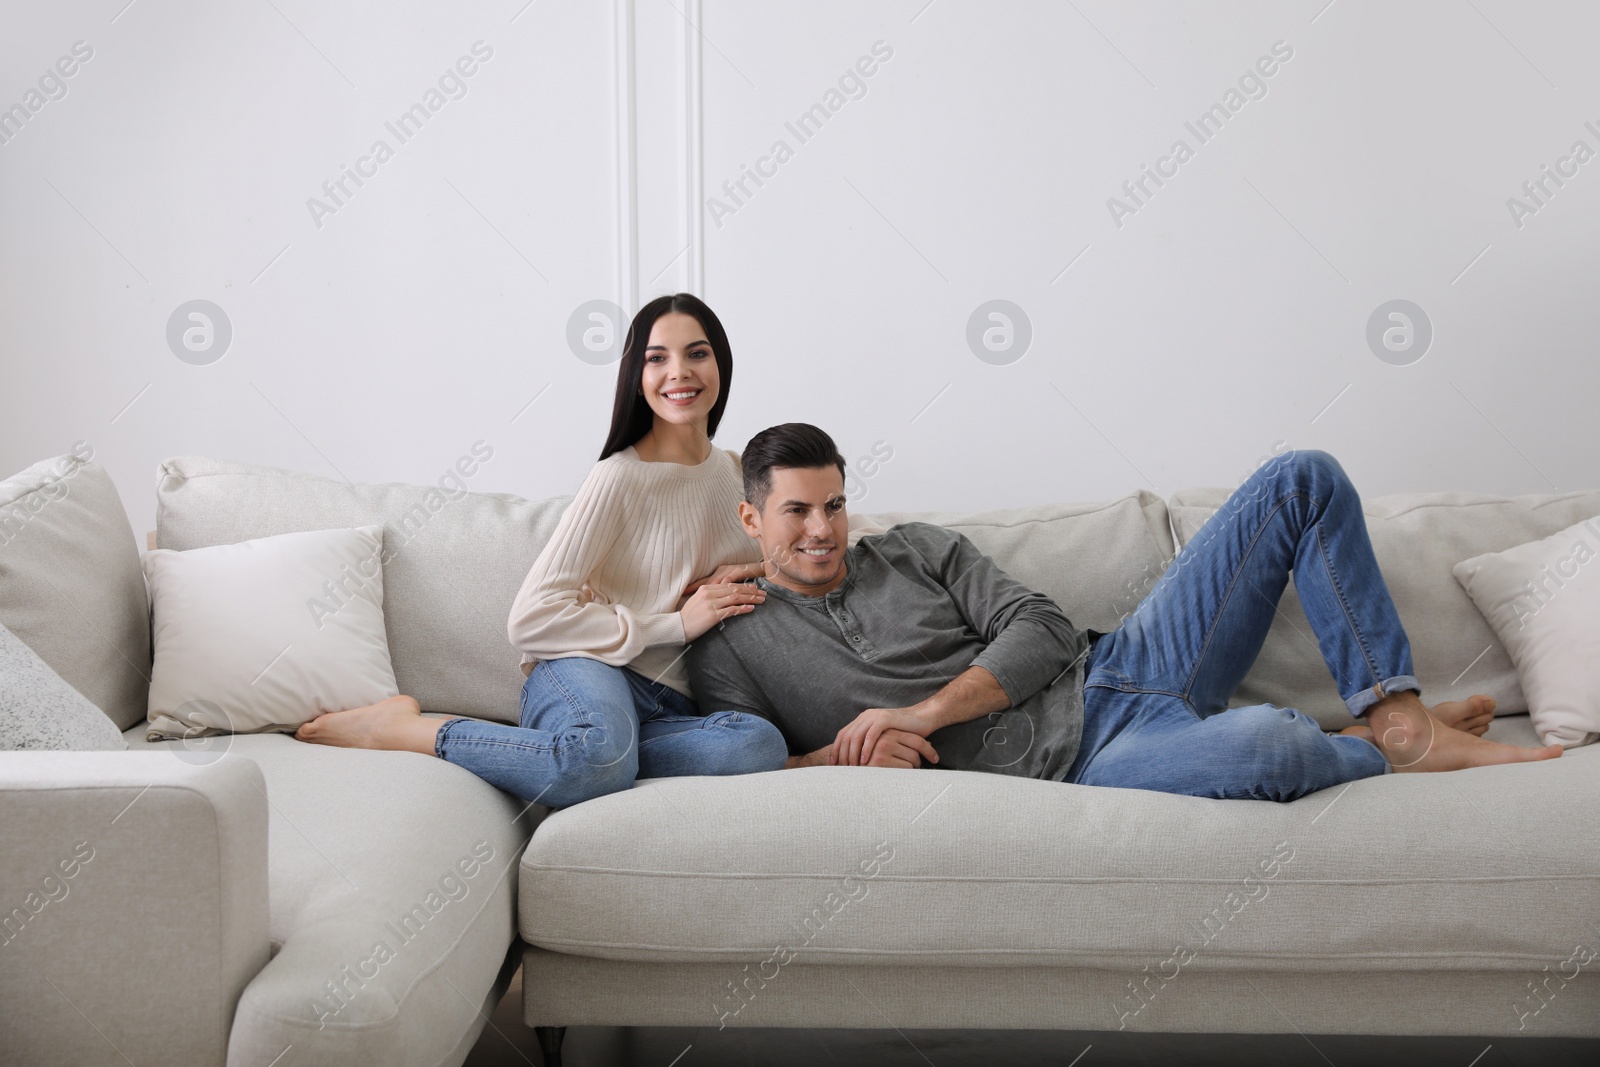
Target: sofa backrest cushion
(1089, 558)
(1417, 539)
(71, 587)
(454, 561)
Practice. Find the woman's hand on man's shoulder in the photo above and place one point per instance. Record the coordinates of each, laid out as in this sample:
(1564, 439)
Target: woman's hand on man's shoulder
(716, 601)
(728, 572)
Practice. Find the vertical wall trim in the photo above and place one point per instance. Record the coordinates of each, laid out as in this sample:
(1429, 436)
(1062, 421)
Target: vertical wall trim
(626, 149)
(694, 179)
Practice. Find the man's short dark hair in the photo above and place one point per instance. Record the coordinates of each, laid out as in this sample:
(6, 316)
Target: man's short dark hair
(793, 445)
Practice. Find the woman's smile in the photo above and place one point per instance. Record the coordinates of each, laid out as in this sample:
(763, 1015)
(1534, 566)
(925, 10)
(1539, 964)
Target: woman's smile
(682, 396)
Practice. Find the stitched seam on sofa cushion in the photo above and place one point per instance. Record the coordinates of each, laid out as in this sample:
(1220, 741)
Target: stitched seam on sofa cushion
(1553, 501)
(1037, 522)
(46, 483)
(1534, 509)
(539, 868)
(1091, 508)
(735, 950)
(280, 474)
(1563, 498)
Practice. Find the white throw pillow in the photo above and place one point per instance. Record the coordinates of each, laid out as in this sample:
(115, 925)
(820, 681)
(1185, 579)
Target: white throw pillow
(1543, 601)
(266, 634)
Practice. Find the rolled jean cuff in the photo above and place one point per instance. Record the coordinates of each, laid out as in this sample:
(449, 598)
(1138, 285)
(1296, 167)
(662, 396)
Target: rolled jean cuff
(438, 738)
(1360, 702)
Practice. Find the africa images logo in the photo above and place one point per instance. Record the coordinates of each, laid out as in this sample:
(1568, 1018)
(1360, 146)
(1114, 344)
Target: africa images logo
(1252, 85)
(451, 86)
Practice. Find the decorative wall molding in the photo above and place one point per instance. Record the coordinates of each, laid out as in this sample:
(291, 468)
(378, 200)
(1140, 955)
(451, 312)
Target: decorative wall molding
(627, 173)
(694, 174)
(659, 148)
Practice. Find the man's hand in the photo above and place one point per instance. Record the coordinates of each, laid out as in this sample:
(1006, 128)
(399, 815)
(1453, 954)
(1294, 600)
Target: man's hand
(895, 748)
(973, 693)
(855, 744)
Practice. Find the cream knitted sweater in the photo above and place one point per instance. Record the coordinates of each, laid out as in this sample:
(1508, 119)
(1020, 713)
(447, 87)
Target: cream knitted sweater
(607, 585)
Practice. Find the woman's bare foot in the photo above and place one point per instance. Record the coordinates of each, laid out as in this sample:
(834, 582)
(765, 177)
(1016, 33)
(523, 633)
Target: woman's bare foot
(395, 724)
(1472, 715)
(1412, 738)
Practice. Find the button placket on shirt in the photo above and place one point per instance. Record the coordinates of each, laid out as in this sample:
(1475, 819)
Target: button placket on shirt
(845, 620)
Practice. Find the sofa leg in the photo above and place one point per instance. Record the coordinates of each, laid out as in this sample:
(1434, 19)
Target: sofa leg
(550, 1043)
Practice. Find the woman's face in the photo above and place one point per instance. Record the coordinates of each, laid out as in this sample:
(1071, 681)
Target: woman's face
(680, 370)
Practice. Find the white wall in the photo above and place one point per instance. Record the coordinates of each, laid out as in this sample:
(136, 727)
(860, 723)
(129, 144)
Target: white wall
(1225, 316)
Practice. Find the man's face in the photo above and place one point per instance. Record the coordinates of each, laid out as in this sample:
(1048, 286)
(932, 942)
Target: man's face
(803, 528)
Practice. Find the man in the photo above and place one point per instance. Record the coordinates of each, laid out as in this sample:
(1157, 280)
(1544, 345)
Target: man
(913, 646)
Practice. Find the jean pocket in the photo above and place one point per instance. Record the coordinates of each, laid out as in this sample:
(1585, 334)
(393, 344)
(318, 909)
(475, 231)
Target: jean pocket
(1109, 679)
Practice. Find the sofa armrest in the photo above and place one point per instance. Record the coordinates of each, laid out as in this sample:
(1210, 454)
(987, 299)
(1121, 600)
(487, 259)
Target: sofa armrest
(133, 905)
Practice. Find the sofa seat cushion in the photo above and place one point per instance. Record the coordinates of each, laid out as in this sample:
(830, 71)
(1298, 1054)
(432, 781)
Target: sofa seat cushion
(934, 867)
(392, 892)
(1418, 538)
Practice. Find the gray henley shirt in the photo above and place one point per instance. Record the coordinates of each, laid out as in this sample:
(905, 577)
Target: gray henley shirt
(918, 606)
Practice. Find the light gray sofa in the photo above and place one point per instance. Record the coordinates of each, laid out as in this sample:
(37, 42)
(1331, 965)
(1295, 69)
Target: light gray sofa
(1462, 903)
(238, 886)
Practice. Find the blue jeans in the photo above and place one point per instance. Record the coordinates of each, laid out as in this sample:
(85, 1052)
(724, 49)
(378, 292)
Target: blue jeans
(1156, 689)
(589, 729)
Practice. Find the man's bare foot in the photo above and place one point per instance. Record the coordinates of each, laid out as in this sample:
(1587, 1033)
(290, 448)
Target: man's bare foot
(1412, 738)
(394, 724)
(1358, 730)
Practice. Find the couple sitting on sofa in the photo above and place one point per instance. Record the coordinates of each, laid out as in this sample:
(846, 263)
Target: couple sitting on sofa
(697, 612)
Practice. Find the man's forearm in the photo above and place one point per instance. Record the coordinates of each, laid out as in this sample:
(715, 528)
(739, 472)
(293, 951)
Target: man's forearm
(969, 695)
(822, 757)
(1037, 646)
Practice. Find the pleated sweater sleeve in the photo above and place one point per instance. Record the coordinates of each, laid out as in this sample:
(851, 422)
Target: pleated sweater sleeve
(553, 614)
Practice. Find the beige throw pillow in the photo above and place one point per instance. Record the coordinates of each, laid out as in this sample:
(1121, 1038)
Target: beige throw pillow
(263, 635)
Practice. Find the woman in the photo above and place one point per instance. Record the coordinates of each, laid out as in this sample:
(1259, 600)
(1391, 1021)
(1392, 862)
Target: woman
(649, 556)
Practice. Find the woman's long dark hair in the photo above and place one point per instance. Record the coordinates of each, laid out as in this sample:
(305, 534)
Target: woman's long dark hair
(631, 415)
